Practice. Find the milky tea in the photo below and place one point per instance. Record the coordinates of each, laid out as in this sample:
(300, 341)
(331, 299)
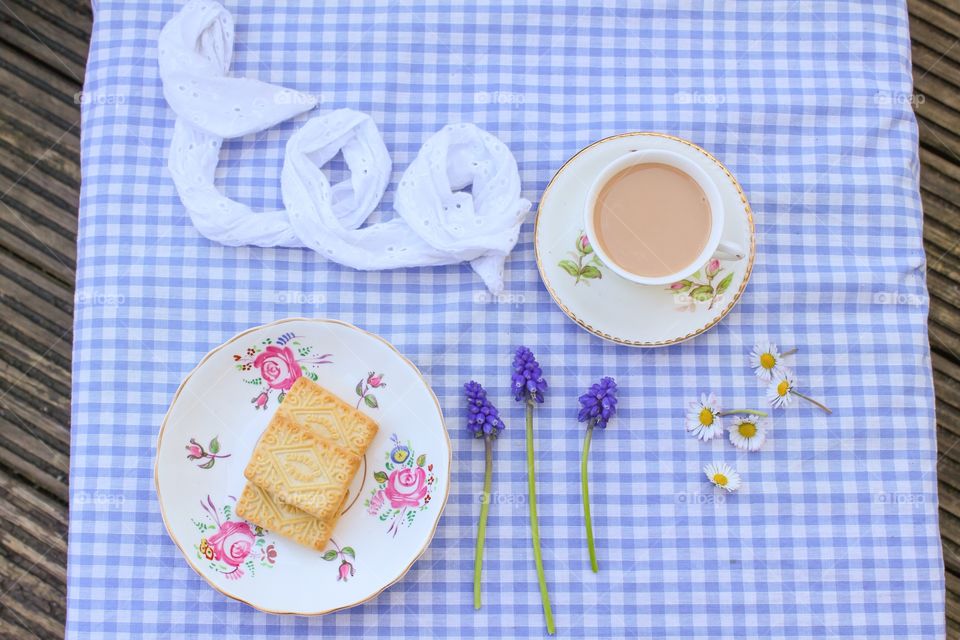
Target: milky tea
(652, 219)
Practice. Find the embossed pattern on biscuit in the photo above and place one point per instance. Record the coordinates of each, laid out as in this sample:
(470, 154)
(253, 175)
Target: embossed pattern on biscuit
(301, 469)
(257, 506)
(329, 416)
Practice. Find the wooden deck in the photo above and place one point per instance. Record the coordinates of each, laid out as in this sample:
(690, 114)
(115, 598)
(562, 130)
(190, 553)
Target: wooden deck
(43, 47)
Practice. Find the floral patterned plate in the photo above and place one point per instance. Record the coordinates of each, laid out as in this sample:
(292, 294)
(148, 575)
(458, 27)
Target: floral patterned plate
(217, 416)
(610, 306)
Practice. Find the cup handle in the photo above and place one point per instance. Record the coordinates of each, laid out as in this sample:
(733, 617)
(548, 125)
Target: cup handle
(729, 251)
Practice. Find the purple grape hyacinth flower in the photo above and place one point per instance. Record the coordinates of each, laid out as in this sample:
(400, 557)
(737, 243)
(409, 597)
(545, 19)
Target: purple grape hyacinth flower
(527, 379)
(599, 403)
(597, 406)
(483, 419)
(483, 422)
(528, 385)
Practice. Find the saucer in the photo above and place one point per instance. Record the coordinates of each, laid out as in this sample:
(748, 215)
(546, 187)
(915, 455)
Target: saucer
(214, 421)
(610, 306)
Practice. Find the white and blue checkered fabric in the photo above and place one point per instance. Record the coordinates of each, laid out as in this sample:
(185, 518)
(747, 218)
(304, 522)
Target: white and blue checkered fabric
(834, 533)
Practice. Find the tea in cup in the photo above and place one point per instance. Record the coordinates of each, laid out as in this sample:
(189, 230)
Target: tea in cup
(656, 217)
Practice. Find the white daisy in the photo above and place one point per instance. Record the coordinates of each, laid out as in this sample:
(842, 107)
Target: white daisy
(781, 391)
(703, 418)
(749, 432)
(723, 476)
(767, 361)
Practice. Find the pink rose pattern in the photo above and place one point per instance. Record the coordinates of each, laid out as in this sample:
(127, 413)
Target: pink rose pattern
(232, 547)
(275, 364)
(404, 487)
(365, 389)
(584, 265)
(347, 556)
(232, 543)
(707, 286)
(278, 367)
(205, 458)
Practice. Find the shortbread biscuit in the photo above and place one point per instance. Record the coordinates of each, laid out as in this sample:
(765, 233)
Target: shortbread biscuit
(300, 469)
(259, 507)
(330, 417)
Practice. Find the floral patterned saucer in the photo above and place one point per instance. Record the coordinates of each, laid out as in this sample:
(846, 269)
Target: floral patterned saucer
(217, 416)
(612, 307)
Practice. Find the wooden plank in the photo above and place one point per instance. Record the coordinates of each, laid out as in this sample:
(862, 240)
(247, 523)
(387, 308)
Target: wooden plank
(946, 316)
(947, 294)
(935, 27)
(16, 221)
(926, 32)
(933, 112)
(28, 444)
(36, 605)
(45, 511)
(34, 255)
(32, 474)
(947, 404)
(950, 369)
(25, 375)
(21, 324)
(30, 83)
(940, 241)
(45, 296)
(940, 211)
(58, 17)
(25, 156)
(19, 29)
(53, 432)
(926, 60)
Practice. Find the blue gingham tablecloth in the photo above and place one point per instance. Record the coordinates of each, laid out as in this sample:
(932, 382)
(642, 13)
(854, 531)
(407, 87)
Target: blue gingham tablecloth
(835, 531)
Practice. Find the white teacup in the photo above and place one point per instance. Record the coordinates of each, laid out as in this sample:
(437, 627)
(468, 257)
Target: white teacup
(715, 247)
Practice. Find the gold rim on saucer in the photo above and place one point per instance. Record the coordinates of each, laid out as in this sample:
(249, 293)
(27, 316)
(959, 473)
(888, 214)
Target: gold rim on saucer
(183, 384)
(618, 339)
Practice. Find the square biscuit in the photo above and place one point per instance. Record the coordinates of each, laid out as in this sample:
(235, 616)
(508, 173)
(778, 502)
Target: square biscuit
(329, 416)
(301, 469)
(259, 507)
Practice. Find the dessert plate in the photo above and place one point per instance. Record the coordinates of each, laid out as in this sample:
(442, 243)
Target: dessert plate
(394, 503)
(610, 306)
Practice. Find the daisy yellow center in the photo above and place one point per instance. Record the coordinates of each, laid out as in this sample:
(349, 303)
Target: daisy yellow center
(747, 429)
(706, 417)
(720, 479)
(767, 361)
(783, 387)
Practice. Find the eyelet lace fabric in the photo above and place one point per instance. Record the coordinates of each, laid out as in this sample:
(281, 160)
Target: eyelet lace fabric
(439, 221)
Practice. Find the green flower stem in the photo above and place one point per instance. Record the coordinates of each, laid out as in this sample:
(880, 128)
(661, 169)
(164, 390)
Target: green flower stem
(534, 527)
(482, 527)
(586, 497)
(752, 412)
(789, 352)
(812, 401)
